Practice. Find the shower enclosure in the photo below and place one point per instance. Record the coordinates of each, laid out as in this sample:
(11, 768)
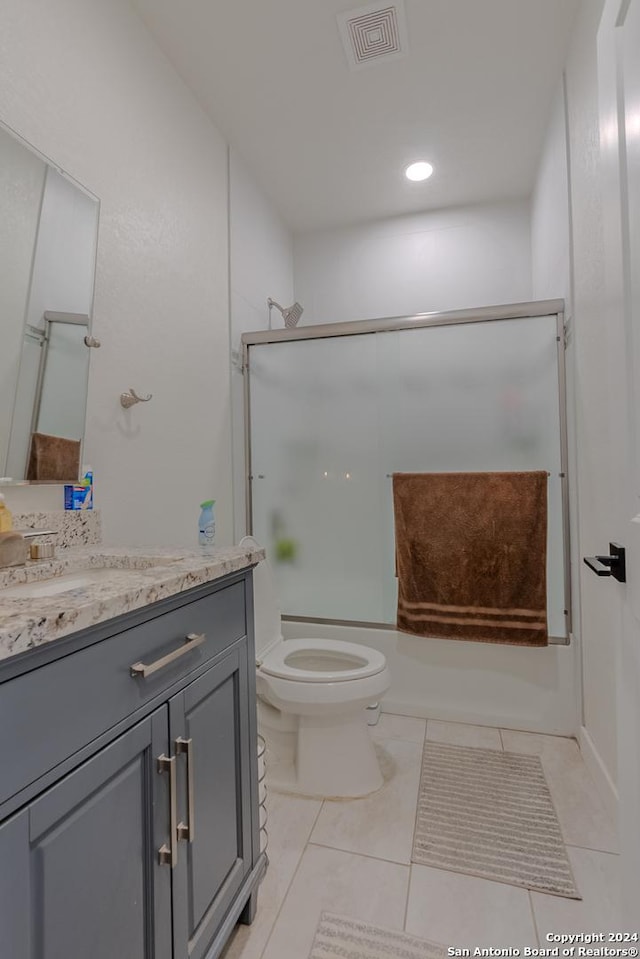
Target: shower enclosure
(333, 410)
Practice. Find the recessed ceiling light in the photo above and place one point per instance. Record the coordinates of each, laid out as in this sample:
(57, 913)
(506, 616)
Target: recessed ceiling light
(418, 171)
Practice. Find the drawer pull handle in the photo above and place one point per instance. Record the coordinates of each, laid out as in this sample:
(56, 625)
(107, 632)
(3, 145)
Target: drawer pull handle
(191, 642)
(168, 855)
(187, 830)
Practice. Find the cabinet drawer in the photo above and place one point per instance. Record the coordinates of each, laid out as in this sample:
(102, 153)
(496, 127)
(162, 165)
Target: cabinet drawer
(48, 714)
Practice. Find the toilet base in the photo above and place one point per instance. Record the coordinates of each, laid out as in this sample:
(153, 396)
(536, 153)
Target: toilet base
(330, 758)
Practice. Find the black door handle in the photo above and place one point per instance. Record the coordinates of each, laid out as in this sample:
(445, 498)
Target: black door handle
(613, 565)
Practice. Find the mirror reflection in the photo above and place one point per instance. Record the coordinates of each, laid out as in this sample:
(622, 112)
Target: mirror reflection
(48, 238)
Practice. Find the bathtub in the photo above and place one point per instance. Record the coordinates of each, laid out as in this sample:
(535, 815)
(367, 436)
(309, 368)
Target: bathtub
(531, 689)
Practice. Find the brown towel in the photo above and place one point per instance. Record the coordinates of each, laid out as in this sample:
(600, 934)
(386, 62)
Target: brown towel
(53, 458)
(471, 555)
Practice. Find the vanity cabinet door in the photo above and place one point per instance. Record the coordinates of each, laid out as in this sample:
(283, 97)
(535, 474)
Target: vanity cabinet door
(85, 857)
(210, 730)
(15, 891)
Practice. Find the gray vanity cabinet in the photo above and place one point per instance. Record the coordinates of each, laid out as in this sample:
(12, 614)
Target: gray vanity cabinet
(209, 723)
(80, 876)
(143, 841)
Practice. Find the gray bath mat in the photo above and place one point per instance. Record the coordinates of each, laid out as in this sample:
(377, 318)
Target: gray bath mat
(488, 813)
(339, 936)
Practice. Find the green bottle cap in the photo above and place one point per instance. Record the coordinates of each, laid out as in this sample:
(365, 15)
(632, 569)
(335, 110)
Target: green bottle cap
(207, 503)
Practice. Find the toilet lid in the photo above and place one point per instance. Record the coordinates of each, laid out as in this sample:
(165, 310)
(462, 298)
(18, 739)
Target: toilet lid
(322, 661)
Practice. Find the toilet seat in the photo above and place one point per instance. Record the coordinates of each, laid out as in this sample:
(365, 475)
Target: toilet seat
(312, 695)
(324, 661)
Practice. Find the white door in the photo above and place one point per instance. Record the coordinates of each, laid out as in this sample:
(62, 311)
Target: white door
(619, 89)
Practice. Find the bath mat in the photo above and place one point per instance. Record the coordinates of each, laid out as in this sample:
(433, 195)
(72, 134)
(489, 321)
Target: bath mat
(339, 936)
(489, 813)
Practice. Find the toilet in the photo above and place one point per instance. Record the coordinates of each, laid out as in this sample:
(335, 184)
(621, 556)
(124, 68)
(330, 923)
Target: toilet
(312, 700)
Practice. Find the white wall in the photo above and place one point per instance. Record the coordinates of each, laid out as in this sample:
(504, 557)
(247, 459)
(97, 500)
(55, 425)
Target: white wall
(261, 266)
(551, 278)
(443, 260)
(550, 240)
(83, 81)
(599, 610)
(567, 261)
(21, 183)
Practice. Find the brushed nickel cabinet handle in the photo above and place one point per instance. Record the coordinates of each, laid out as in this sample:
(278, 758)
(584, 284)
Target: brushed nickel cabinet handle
(187, 830)
(168, 854)
(143, 669)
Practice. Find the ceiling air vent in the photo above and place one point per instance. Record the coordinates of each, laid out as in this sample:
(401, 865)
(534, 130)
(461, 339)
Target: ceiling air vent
(374, 33)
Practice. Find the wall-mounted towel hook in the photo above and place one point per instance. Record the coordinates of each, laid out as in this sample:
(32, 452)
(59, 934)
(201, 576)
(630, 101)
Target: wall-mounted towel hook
(131, 398)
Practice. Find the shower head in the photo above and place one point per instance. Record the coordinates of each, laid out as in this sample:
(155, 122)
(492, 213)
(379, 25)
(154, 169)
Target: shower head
(290, 314)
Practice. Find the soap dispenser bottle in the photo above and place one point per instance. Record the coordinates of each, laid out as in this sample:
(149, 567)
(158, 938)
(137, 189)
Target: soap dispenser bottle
(207, 524)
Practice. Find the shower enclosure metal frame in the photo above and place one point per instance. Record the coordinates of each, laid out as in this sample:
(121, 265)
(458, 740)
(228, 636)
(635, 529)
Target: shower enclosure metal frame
(512, 311)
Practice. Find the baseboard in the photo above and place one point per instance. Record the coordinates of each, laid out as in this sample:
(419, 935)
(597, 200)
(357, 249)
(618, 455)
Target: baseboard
(604, 783)
(456, 714)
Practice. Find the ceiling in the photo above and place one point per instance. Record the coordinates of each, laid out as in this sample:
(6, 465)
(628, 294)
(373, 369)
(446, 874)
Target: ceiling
(328, 144)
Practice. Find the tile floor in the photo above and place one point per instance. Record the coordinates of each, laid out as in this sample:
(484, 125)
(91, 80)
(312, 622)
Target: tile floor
(354, 857)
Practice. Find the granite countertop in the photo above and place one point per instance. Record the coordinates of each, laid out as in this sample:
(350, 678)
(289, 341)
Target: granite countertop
(137, 577)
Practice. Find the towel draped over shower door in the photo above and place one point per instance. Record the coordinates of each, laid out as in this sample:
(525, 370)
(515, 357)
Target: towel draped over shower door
(471, 555)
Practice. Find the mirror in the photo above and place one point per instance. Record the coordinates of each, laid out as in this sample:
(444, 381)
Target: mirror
(48, 240)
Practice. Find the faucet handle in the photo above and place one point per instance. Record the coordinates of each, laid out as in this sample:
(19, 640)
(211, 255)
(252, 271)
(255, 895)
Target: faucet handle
(30, 533)
(42, 551)
(39, 550)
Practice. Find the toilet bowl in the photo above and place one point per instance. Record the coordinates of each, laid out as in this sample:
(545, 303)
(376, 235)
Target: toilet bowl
(312, 699)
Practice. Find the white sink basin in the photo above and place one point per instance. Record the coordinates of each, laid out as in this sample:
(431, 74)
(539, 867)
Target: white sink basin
(59, 584)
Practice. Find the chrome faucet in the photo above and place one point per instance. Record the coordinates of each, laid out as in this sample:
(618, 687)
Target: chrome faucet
(39, 550)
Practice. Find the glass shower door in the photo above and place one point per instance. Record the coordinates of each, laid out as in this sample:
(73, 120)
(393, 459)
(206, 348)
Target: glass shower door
(315, 474)
(474, 397)
(332, 418)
